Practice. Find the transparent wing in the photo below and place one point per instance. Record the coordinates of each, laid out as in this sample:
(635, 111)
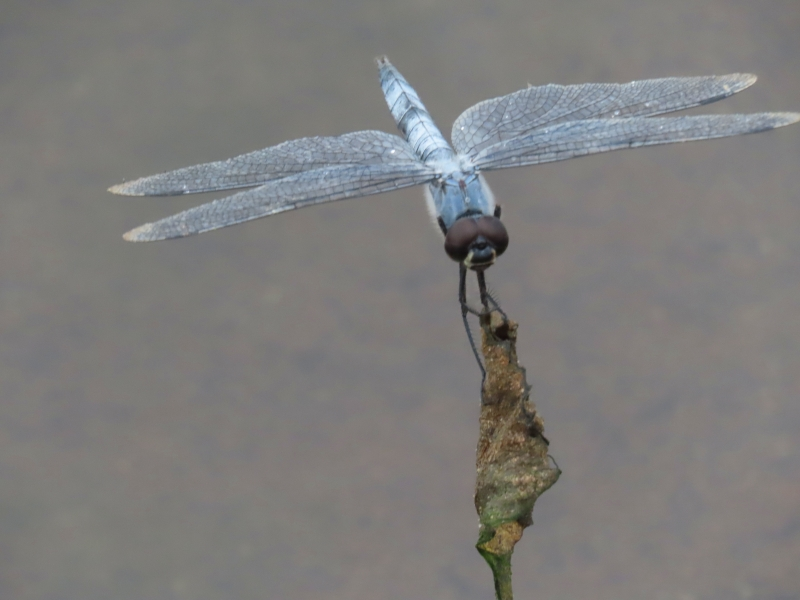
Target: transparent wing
(261, 166)
(294, 191)
(518, 114)
(579, 138)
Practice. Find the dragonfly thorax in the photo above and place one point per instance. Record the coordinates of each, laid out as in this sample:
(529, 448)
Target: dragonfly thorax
(458, 194)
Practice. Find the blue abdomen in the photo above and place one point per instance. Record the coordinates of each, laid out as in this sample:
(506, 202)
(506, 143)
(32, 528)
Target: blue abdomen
(411, 116)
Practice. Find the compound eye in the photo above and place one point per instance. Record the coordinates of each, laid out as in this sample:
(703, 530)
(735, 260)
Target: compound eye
(459, 237)
(495, 233)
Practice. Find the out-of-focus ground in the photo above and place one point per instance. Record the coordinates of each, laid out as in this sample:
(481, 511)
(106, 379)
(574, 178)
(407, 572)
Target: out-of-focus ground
(288, 408)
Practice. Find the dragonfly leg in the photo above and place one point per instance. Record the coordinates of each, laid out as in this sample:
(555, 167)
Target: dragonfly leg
(487, 298)
(462, 292)
(465, 308)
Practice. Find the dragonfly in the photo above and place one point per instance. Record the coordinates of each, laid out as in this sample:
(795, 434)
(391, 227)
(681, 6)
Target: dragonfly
(535, 125)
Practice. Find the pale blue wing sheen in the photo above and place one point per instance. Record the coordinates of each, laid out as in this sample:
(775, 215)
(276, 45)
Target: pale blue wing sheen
(519, 113)
(579, 138)
(275, 162)
(287, 193)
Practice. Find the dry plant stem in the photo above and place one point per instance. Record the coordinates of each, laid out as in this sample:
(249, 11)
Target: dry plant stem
(513, 465)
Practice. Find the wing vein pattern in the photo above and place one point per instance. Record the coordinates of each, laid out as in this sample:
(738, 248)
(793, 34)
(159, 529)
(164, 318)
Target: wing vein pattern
(580, 138)
(275, 162)
(519, 113)
(294, 191)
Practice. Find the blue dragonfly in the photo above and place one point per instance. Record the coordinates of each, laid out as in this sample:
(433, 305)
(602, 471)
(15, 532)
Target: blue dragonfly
(535, 125)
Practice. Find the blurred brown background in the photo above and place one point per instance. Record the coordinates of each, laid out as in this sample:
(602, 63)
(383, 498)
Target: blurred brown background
(288, 408)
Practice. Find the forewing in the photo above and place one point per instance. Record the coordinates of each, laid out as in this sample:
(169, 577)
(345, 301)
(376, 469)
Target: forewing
(579, 138)
(295, 191)
(518, 114)
(275, 162)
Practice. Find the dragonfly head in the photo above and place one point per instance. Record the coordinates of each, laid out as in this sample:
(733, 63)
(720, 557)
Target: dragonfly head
(476, 241)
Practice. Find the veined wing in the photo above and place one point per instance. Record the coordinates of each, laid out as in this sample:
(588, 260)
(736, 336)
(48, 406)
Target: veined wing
(518, 114)
(320, 185)
(579, 138)
(283, 160)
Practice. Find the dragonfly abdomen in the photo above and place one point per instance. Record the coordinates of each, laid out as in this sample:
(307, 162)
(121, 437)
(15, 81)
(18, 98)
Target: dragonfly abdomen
(411, 116)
